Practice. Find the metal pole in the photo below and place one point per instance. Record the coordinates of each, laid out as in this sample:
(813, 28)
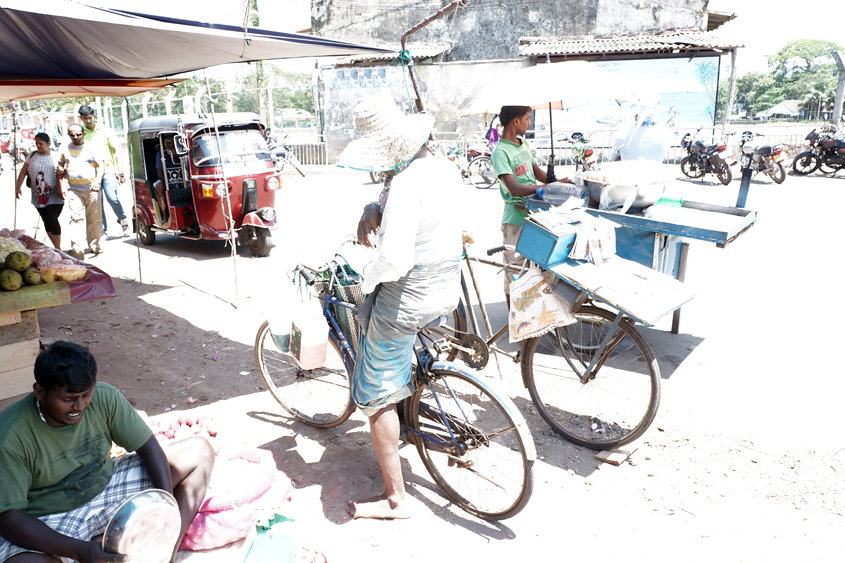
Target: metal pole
(742, 196)
(682, 274)
(419, 26)
(124, 114)
(730, 98)
(15, 162)
(225, 183)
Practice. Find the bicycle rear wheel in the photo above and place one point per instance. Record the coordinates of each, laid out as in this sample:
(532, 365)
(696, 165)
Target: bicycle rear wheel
(481, 173)
(486, 469)
(319, 397)
(617, 403)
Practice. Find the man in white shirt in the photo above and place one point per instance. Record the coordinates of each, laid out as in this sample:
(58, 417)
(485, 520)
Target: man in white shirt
(648, 138)
(414, 278)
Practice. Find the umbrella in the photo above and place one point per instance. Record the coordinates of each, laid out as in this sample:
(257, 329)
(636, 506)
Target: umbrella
(549, 86)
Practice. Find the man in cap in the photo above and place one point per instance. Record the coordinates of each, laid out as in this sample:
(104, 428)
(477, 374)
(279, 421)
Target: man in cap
(413, 279)
(102, 137)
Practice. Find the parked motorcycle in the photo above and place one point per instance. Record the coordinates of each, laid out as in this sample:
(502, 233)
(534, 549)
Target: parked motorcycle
(704, 159)
(763, 158)
(827, 153)
(582, 152)
(282, 154)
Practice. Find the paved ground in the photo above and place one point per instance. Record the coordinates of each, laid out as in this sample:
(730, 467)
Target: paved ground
(742, 463)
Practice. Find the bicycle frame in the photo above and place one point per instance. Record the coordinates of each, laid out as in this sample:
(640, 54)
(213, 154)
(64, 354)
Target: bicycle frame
(425, 362)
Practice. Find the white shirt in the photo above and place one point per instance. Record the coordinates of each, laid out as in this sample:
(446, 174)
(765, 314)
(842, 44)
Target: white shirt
(648, 140)
(419, 224)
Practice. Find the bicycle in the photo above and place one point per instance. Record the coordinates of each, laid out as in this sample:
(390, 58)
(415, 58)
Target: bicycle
(595, 382)
(472, 440)
(477, 167)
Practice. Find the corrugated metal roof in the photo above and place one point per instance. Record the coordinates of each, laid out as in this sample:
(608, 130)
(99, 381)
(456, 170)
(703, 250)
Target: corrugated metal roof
(419, 51)
(674, 42)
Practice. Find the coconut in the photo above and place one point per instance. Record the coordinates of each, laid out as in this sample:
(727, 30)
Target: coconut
(32, 276)
(10, 280)
(18, 261)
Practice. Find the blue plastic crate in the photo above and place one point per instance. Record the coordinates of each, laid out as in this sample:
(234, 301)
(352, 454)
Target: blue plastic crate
(543, 247)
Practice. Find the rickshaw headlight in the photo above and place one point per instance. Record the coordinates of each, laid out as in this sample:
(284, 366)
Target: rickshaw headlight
(220, 190)
(267, 213)
(273, 183)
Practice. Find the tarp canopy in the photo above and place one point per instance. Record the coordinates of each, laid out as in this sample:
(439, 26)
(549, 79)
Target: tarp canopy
(64, 40)
(28, 88)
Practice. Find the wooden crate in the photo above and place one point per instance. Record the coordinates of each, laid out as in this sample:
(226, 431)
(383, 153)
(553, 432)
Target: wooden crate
(19, 346)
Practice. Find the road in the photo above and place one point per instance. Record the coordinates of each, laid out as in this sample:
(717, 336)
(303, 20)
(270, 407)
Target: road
(739, 464)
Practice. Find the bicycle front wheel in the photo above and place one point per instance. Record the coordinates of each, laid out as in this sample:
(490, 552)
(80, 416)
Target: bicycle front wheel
(618, 401)
(319, 397)
(485, 468)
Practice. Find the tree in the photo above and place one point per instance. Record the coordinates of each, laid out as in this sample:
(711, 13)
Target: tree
(801, 55)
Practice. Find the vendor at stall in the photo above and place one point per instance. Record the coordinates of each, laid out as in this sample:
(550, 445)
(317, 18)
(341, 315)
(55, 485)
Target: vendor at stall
(60, 484)
(518, 174)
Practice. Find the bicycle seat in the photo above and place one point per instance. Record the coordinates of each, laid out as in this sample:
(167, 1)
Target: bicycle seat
(467, 238)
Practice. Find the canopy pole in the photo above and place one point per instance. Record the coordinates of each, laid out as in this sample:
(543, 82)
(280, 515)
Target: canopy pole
(225, 183)
(550, 169)
(15, 163)
(124, 115)
(440, 13)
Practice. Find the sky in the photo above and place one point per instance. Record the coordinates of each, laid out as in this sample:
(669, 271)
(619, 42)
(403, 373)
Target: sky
(765, 26)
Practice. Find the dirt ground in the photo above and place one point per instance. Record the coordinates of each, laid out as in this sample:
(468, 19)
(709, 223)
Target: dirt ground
(741, 464)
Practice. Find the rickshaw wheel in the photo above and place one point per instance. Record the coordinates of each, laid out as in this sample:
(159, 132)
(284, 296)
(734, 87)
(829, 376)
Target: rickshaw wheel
(145, 232)
(258, 241)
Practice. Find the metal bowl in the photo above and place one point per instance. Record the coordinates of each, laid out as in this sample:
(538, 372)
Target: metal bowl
(615, 196)
(145, 527)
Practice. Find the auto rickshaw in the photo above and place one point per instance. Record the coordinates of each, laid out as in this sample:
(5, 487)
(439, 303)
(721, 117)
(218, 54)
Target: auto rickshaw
(198, 171)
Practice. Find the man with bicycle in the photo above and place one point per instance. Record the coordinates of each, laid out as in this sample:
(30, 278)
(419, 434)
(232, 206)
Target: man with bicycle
(413, 279)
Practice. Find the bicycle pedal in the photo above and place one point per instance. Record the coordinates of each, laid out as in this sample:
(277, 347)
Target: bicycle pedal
(442, 345)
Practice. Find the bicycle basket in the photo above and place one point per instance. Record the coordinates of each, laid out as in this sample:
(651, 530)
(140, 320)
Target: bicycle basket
(345, 285)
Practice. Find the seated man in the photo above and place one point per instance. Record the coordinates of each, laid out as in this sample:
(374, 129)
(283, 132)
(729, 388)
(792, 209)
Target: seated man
(60, 485)
(169, 163)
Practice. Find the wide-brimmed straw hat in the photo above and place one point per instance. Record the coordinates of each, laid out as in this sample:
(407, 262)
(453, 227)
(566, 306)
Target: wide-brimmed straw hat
(384, 136)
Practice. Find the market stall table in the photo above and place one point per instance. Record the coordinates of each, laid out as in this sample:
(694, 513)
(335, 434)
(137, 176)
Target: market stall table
(661, 244)
(19, 331)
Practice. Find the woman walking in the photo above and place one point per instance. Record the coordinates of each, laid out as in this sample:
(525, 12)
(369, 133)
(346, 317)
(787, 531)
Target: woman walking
(47, 194)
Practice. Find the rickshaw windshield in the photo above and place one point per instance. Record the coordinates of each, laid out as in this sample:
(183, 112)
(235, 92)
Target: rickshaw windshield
(239, 145)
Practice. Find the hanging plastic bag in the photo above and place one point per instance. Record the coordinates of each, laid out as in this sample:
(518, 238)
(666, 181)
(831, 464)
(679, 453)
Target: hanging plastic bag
(535, 307)
(309, 333)
(280, 316)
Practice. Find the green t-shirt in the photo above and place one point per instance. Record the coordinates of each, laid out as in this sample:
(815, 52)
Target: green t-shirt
(48, 470)
(510, 158)
(104, 138)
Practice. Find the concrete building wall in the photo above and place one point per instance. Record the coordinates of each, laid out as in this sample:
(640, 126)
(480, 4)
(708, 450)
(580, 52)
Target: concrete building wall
(491, 30)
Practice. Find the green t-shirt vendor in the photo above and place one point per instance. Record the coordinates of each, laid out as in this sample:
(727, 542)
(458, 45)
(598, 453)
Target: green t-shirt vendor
(518, 174)
(60, 485)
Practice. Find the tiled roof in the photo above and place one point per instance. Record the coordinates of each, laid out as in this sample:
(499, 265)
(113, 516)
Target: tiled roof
(670, 43)
(419, 51)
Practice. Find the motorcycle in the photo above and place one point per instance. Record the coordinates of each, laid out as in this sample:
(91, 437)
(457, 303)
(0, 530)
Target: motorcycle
(763, 158)
(282, 154)
(582, 152)
(827, 153)
(704, 159)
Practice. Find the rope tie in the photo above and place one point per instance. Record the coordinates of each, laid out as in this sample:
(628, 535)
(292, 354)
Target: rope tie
(405, 59)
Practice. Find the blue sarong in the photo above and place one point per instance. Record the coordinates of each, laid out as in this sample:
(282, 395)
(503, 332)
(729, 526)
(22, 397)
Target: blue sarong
(390, 319)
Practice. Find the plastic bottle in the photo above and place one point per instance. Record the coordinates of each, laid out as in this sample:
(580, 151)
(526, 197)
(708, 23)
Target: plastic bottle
(558, 193)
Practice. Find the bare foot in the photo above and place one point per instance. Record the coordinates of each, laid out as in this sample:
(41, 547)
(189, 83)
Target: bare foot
(378, 507)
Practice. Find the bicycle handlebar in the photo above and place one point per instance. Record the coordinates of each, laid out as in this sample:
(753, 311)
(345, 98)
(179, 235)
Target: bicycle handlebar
(496, 250)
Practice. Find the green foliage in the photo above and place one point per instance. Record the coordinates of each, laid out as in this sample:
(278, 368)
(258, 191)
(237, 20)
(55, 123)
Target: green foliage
(802, 70)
